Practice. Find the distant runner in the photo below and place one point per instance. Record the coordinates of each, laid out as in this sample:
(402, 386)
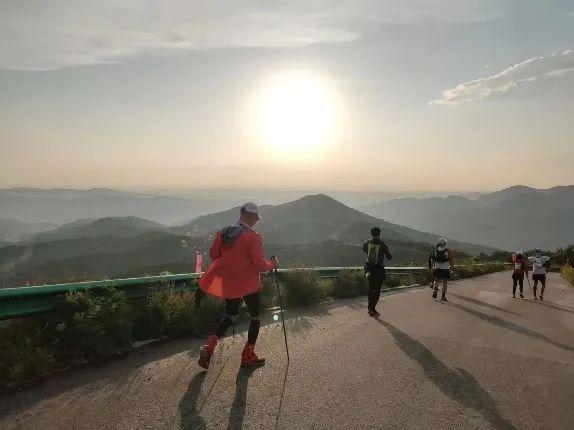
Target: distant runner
(520, 268)
(376, 251)
(440, 262)
(539, 265)
(235, 274)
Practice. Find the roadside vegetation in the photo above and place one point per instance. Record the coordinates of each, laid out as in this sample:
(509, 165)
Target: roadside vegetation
(568, 273)
(98, 325)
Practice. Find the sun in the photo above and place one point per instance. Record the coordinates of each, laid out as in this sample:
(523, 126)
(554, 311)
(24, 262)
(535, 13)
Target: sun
(296, 112)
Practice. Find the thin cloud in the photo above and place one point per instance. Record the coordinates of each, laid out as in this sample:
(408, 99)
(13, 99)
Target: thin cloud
(40, 35)
(533, 69)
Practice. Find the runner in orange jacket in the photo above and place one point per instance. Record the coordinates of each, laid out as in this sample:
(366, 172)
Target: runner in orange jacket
(235, 274)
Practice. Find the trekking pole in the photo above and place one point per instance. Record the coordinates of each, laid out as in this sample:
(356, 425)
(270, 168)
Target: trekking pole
(281, 308)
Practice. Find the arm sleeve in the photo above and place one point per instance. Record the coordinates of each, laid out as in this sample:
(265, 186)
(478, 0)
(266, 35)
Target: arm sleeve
(387, 252)
(215, 250)
(258, 258)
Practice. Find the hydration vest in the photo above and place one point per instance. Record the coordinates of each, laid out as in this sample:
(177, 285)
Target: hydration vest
(373, 253)
(441, 256)
(518, 263)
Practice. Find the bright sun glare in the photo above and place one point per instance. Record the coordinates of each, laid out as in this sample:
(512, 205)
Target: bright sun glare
(297, 112)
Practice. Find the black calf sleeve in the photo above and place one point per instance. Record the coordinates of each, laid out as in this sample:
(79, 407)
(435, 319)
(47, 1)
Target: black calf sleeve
(223, 325)
(253, 331)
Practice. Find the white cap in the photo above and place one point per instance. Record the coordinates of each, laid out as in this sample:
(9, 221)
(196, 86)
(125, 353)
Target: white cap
(251, 208)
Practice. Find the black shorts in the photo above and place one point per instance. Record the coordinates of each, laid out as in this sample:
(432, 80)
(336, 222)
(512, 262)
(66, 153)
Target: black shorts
(376, 269)
(518, 276)
(539, 277)
(441, 273)
(252, 301)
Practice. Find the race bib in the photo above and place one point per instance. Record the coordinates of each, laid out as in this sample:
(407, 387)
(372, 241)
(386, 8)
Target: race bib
(517, 266)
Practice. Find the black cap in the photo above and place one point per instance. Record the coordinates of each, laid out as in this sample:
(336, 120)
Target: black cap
(375, 232)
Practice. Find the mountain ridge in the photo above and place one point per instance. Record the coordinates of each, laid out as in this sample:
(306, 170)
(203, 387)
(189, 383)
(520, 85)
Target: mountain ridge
(517, 217)
(331, 219)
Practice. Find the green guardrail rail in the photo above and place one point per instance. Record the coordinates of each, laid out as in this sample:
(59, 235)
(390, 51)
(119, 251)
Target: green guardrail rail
(24, 301)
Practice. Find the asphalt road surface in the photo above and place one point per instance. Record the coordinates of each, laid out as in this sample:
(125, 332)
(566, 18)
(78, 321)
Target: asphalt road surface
(483, 360)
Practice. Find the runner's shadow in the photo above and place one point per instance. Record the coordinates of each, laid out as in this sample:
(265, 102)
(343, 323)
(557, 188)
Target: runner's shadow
(484, 304)
(553, 306)
(237, 412)
(509, 326)
(188, 406)
(459, 385)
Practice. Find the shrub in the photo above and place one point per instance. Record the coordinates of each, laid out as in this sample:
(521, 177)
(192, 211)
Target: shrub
(568, 273)
(23, 354)
(205, 317)
(350, 283)
(269, 292)
(170, 312)
(392, 281)
(302, 287)
(463, 272)
(101, 323)
(174, 312)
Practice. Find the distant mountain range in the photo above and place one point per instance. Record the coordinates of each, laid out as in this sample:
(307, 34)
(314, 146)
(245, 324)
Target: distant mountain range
(109, 226)
(518, 217)
(12, 230)
(312, 231)
(60, 206)
(315, 230)
(318, 218)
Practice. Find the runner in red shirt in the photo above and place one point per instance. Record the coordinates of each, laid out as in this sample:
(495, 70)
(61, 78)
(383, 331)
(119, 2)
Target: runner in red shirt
(520, 269)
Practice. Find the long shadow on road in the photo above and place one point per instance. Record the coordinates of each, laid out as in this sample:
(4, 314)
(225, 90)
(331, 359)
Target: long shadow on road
(483, 304)
(237, 412)
(553, 306)
(188, 406)
(509, 325)
(459, 385)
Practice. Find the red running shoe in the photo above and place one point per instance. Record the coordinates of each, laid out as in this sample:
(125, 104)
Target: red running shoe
(206, 352)
(249, 358)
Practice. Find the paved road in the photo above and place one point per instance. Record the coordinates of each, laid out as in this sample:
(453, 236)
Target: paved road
(481, 361)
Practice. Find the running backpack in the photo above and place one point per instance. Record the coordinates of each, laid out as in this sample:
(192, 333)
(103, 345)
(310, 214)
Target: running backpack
(441, 256)
(373, 250)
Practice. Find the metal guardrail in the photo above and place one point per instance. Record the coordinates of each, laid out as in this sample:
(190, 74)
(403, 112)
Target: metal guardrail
(24, 301)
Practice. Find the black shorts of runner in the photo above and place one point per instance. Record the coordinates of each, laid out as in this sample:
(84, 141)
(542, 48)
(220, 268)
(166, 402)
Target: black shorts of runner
(441, 273)
(252, 301)
(539, 277)
(518, 276)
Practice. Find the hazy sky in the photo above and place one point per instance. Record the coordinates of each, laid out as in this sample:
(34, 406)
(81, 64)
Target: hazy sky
(392, 95)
